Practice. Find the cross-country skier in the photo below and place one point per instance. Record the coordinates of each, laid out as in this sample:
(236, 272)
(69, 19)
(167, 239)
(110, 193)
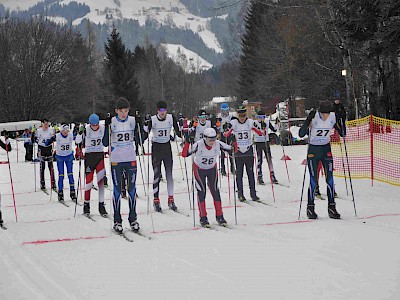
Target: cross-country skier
(205, 171)
(261, 142)
(224, 119)
(45, 152)
(27, 136)
(160, 125)
(6, 146)
(93, 138)
(123, 158)
(64, 155)
(242, 128)
(318, 126)
(197, 128)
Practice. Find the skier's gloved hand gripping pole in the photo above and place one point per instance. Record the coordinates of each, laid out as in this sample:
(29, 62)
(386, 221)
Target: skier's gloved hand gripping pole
(186, 172)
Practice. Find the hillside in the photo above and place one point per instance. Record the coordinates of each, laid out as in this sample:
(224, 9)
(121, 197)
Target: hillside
(159, 21)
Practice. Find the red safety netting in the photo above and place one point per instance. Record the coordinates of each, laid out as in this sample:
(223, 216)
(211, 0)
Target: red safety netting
(373, 148)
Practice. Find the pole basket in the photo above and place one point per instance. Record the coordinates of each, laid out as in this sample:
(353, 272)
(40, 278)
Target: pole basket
(286, 157)
(304, 162)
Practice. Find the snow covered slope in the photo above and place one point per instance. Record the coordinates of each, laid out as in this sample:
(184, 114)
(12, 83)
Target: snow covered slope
(188, 60)
(167, 12)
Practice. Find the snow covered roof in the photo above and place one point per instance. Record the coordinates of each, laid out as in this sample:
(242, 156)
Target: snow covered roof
(14, 126)
(218, 100)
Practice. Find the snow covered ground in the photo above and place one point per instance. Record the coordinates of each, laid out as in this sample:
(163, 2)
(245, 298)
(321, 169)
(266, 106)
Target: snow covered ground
(49, 254)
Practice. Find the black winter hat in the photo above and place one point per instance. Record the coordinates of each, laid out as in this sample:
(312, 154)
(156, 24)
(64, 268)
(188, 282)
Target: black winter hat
(161, 104)
(325, 106)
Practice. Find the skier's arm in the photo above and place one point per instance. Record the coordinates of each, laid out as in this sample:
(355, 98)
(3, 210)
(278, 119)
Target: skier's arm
(51, 140)
(5, 145)
(187, 150)
(304, 129)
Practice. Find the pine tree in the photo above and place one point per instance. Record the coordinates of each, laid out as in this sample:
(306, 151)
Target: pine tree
(120, 79)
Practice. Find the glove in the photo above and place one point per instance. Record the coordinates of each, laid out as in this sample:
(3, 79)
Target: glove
(227, 126)
(33, 129)
(147, 120)
(172, 138)
(5, 134)
(81, 129)
(311, 114)
(340, 111)
(107, 121)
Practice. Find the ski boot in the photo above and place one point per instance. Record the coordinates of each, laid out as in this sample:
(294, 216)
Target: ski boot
(135, 226)
(273, 178)
(61, 196)
(72, 194)
(332, 212)
(42, 187)
(242, 198)
(335, 195)
(102, 210)
(156, 205)
(54, 187)
(260, 181)
(255, 198)
(171, 203)
(204, 222)
(221, 221)
(311, 212)
(1, 219)
(86, 208)
(317, 193)
(118, 227)
(223, 173)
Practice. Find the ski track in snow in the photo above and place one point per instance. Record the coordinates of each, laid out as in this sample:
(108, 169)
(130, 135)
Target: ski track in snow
(270, 254)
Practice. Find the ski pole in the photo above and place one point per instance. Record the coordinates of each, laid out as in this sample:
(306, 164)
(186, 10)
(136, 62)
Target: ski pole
(344, 168)
(194, 217)
(229, 179)
(180, 161)
(34, 164)
(12, 184)
(187, 179)
(79, 184)
(148, 180)
(302, 188)
(140, 161)
(234, 189)
(283, 148)
(348, 168)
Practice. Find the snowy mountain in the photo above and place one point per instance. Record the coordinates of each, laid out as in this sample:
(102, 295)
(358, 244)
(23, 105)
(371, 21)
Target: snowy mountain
(189, 60)
(159, 13)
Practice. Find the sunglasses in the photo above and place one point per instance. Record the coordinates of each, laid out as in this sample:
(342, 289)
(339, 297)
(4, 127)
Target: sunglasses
(202, 117)
(162, 109)
(261, 117)
(243, 115)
